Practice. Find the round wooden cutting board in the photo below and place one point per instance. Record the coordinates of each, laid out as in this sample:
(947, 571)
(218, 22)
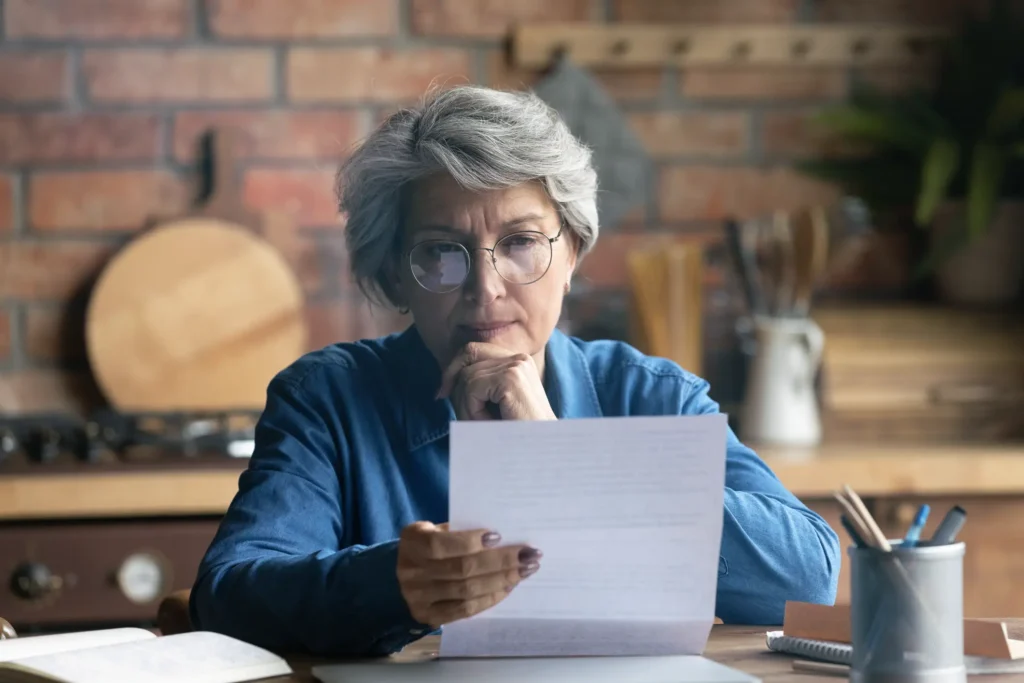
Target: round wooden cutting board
(196, 315)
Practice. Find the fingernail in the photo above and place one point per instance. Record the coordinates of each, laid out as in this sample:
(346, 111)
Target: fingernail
(529, 555)
(491, 539)
(528, 570)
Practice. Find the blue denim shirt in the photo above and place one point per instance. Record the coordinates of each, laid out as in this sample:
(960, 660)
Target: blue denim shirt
(352, 446)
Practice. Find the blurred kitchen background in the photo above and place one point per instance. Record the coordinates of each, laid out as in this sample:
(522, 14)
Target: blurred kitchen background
(811, 172)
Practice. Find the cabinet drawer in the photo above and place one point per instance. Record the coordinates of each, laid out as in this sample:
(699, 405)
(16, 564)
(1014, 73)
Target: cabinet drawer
(96, 572)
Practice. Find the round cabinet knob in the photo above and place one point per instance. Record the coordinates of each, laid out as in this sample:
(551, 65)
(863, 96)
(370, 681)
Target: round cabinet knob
(34, 581)
(6, 630)
(904, 514)
(8, 444)
(143, 578)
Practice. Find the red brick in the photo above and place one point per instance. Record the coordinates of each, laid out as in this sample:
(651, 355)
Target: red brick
(103, 200)
(372, 74)
(794, 134)
(302, 18)
(56, 334)
(705, 10)
(492, 18)
(96, 19)
(48, 391)
(344, 320)
(713, 193)
(300, 250)
(53, 137)
(179, 75)
(276, 134)
(307, 195)
(632, 85)
(895, 81)
(892, 11)
(49, 271)
(6, 203)
(704, 133)
(5, 334)
(606, 266)
(38, 77)
(763, 83)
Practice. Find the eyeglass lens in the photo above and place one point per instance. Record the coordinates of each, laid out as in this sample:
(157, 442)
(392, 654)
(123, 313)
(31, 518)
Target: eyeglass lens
(442, 266)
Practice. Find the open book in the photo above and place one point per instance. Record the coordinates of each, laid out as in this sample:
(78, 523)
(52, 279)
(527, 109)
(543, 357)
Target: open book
(133, 655)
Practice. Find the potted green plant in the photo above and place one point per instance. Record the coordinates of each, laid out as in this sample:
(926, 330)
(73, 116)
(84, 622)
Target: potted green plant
(954, 154)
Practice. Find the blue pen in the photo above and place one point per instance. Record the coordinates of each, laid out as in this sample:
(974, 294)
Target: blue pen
(914, 532)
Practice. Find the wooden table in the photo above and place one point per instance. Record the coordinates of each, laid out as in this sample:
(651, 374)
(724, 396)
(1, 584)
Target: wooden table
(740, 647)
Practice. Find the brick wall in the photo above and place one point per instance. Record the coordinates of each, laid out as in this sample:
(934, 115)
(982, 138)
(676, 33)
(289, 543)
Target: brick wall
(102, 101)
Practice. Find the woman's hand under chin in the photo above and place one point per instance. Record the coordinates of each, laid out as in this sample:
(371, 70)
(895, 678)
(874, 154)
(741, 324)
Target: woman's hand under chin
(485, 375)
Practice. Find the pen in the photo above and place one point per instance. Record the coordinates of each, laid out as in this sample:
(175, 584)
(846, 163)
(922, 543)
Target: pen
(857, 540)
(914, 532)
(949, 527)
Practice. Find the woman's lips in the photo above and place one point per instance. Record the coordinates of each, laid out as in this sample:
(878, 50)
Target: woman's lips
(484, 332)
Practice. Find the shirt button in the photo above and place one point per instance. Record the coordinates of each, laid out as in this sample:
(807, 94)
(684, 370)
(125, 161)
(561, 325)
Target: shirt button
(416, 631)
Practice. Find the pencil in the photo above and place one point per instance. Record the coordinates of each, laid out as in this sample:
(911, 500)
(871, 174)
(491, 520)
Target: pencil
(820, 667)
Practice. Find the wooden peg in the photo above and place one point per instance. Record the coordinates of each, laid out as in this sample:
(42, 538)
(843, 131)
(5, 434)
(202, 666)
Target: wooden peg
(801, 48)
(860, 47)
(741, 50)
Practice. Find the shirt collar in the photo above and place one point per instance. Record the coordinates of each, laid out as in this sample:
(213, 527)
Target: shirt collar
(568, 382)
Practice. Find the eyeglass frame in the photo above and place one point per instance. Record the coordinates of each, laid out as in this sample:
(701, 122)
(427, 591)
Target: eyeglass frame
(494, 260)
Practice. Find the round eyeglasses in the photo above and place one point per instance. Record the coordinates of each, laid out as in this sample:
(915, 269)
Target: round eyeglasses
(442, 266)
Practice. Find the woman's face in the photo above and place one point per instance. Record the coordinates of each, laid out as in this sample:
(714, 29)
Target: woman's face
(486, 307)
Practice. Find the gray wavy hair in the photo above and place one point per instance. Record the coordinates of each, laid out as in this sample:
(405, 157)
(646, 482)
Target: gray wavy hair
(485, 139)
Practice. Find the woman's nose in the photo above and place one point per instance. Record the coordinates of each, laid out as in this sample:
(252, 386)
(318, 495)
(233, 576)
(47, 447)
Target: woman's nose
(483, 283)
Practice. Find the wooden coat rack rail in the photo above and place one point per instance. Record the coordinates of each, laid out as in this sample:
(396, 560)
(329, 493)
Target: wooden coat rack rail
(634, 45)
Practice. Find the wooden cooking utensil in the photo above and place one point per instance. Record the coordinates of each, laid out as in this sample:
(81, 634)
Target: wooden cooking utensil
(197, 314)
(809, 228)
(667, 303)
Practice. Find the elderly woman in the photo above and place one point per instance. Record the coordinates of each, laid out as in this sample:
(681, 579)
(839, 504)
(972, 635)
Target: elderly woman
(472, 212)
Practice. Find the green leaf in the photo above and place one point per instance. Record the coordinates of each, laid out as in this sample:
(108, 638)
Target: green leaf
(943, 247)
(937, 171)
(1008, 113)
(882, 181)
(988, 164)
(862, 123)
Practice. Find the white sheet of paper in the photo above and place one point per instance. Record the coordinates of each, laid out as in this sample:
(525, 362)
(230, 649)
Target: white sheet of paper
(196, 657)
(628, 513)
(31, 646)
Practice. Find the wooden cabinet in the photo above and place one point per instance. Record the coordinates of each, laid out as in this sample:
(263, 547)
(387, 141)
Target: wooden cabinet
(994, 534)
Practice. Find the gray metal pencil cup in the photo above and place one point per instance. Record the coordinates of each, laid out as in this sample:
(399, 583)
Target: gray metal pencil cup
(907, 614)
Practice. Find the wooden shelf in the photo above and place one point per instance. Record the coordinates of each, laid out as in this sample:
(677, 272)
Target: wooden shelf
(809, 473)
(899, 470)
(611, 46)
(165, 493)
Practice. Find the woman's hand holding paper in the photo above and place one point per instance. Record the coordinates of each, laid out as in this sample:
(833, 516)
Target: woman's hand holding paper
(450, 575)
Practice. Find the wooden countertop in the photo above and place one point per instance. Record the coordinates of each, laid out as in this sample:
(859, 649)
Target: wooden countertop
(871, 470)
(739, 647)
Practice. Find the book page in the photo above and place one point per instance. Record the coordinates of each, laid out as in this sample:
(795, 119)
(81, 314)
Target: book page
(199, 657)
(628, 513)
(31, 646)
